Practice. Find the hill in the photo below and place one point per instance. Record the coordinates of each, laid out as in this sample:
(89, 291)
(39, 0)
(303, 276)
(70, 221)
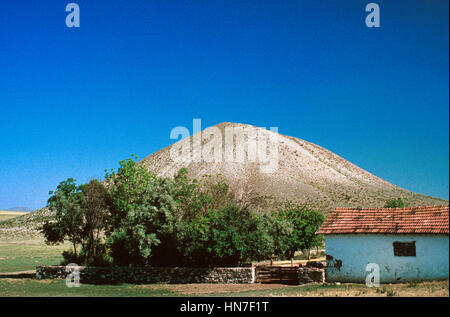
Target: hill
(27, 225)
(305, 174)
(6, 214)
(22, 209)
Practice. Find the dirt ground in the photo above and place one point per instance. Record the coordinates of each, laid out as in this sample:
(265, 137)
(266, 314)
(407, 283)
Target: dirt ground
(57, 287)
(204, 289)
(423, 289)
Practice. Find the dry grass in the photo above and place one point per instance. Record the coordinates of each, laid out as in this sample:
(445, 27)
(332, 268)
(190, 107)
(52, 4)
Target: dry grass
(6, 215)
(17, 255)
(210, 289)
(424, 289)
(33, 287)
(25, 226)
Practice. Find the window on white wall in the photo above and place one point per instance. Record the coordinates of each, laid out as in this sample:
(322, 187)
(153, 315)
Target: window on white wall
(404, 248)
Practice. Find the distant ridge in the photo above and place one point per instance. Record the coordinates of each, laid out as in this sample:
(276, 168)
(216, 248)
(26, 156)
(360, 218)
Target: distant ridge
(22, 209)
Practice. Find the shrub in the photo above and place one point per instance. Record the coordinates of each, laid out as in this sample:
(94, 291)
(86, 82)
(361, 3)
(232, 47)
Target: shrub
(390, 293)
(69, 256)
(230, 236)
(84, 258)
(394, 203)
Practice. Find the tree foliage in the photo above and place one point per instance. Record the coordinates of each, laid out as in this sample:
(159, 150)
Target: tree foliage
(67, 204)
(95, 214)
(80, 213)
(394, 203)
(196, 197)
(136, 217)
(305, 223)
(228, 236)
(143, 211)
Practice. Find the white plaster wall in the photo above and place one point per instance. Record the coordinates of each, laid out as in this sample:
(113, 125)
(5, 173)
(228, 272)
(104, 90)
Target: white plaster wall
(355, 251)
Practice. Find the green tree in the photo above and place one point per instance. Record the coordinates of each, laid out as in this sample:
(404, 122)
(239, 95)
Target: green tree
(95, 213)
(305, 223)
(195, 197)
(67, 204)
(80, 214)
(126, 189)
(139, 218)
(143, 213)
(394, 203)
(228, 236)
(281, 231)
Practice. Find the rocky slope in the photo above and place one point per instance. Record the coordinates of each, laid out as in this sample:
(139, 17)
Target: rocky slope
(306, 173)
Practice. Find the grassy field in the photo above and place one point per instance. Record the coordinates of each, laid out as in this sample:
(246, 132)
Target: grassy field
(25, 254)
(17, 255)
(6, 215)
(56, 288)
(32, 287)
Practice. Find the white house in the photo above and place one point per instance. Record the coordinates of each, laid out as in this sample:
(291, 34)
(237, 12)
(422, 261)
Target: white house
(407, 244)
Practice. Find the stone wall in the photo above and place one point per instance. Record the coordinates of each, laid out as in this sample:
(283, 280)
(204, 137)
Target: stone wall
(311, 275)
(313, 272)
(175, 275)
(148, 275)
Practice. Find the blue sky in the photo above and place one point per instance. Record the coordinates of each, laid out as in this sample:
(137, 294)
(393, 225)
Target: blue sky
(75, 101)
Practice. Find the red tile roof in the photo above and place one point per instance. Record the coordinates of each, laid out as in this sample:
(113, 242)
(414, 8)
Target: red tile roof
(417, 220)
